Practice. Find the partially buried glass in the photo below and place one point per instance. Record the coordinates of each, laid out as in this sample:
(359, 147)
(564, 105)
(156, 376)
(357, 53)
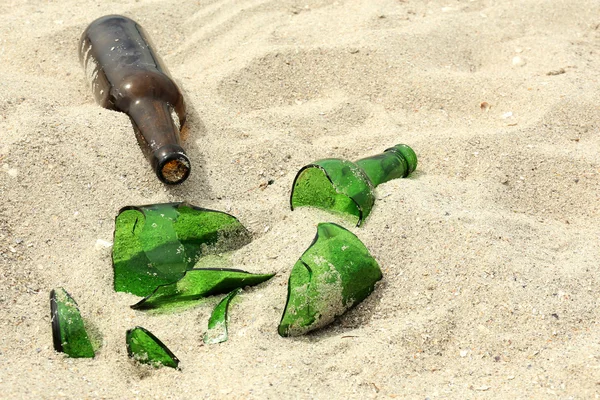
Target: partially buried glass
(68, 329)
(217, 324)
(146, 348)
(198, 283)
(127, 75)
(156, 244)
(333, 275)
(348, 187)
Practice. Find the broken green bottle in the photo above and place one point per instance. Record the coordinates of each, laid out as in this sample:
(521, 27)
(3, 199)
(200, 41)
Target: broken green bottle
(156, 244)
(217, 324)
(146, 348)
(68, 330)
(198, 283)
(348, 187)
(333, 275)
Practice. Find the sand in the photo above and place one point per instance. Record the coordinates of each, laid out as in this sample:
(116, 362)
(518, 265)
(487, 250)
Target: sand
(490, 250)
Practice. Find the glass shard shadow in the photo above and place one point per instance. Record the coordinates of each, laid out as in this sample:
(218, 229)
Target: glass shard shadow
(347, 187)
(199, 283)
(217, 324)
(334, 274)
(68, 330)
(146, 348)
(155, 244)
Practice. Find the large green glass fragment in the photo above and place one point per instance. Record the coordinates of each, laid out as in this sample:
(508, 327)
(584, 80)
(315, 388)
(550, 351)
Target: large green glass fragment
(199, 283)
(146, 348)
(217, 324)
(68, 330)
(334, 274)
(347, 187)
(155, 244)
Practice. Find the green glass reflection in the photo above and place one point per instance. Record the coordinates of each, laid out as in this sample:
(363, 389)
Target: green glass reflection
(146, 348)
(217, 324)
(348, 187)
(68, 330)
(199, 283)
(154, 245)
(334, 274)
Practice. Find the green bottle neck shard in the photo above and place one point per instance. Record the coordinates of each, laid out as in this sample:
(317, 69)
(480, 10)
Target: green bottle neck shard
(333, 185)
(146, 348)
(334, 274)
(68, 330)
(395, 162)
(345, 187)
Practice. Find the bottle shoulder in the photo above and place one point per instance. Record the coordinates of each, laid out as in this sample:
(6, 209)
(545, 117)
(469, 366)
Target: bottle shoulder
(137, 83)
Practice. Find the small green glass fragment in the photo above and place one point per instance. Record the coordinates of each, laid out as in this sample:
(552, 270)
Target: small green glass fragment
(217, 324)
(155, 244)
(334, 274)
(68, 330)
(199, 283)
(347, 187)
(146, 348)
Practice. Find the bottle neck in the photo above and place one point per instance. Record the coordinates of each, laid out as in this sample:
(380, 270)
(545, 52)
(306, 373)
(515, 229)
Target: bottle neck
(395, 162)
(156, 127)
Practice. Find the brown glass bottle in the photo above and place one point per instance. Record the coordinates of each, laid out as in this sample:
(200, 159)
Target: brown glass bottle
(127, 75)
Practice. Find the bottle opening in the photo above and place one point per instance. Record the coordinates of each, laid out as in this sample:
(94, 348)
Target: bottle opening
(175, 171)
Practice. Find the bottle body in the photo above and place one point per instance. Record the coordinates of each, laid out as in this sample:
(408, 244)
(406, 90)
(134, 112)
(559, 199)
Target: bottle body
(127, 75)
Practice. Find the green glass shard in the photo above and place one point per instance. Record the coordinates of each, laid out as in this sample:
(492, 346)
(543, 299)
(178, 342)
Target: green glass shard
(348, 187)
(199, 283)
(335, 185)
(154, 245)
(217, 324)
(146, 348)
(334, 274)
(68, 330)
(314, 187)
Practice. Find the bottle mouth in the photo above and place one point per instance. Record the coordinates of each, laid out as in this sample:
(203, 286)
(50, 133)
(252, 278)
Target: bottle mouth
(408, 154)
(173, 169)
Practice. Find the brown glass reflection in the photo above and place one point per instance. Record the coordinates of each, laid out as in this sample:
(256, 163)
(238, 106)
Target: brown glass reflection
(127, 75)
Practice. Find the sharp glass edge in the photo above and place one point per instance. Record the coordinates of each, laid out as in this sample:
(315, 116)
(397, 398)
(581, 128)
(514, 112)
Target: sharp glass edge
(176, 205)
(139, 304)
(56, 339)
(358, 207)
(155, 339)
(227, 299)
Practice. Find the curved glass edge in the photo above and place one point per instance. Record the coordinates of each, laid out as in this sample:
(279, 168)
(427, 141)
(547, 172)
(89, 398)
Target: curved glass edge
(217, 324)
(324, 230)
(145, 303)
(363, 209)
(175, 206)
(86, 349)
(56, 336)
(128, 337)
(286, 328)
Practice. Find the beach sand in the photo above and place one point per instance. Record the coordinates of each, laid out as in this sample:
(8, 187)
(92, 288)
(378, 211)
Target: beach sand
(490, 250)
